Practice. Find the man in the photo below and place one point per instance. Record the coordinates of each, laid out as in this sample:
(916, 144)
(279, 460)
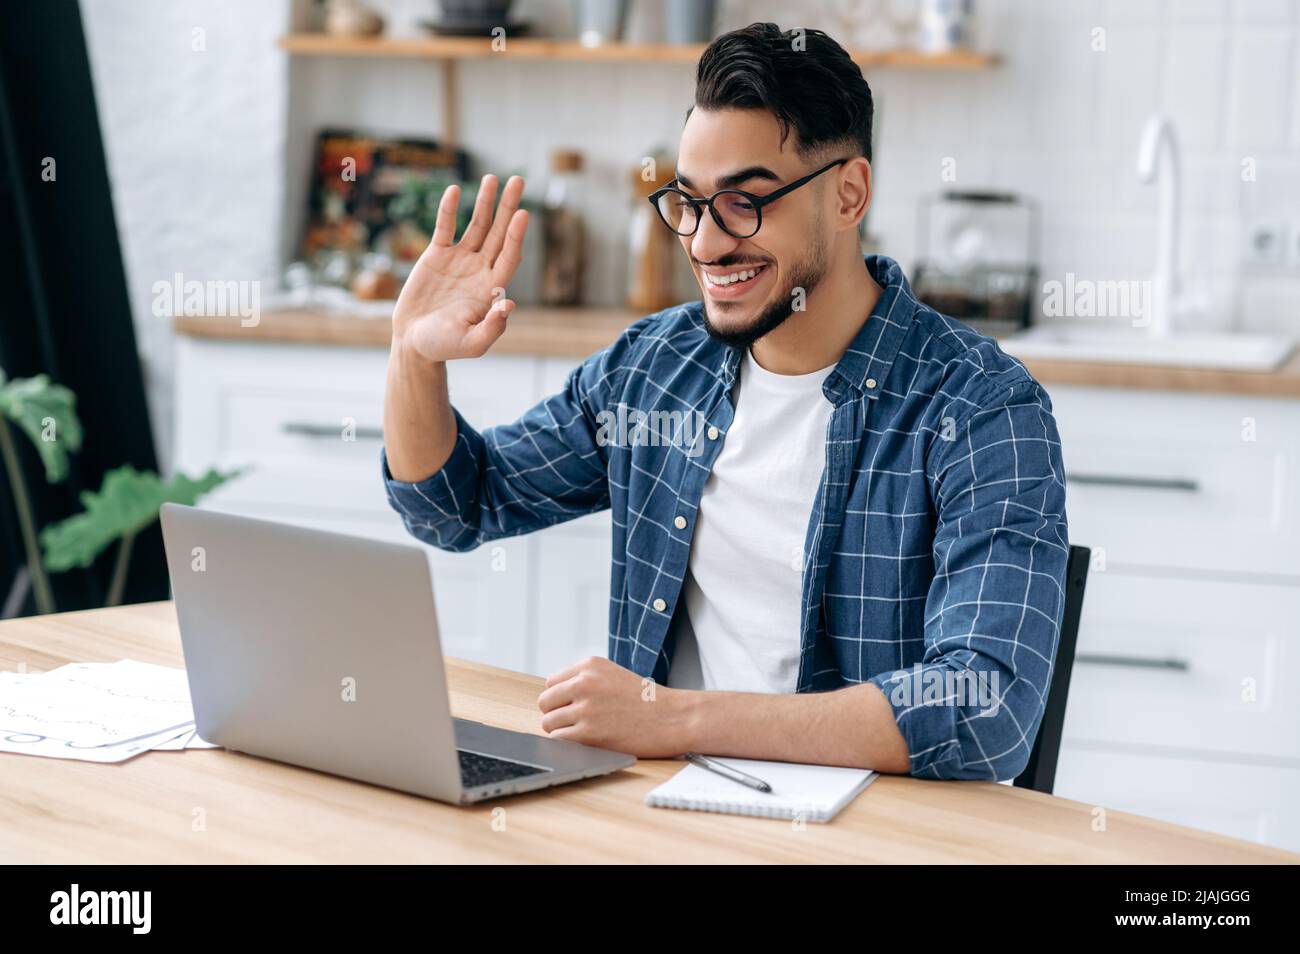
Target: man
(858, 555)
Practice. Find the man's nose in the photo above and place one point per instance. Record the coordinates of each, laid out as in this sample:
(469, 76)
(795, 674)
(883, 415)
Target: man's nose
(710, 242)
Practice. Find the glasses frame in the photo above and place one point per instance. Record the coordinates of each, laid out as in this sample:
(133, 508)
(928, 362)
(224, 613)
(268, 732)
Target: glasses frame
(757, 201)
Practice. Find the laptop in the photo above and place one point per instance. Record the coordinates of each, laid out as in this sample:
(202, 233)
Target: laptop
(321, 650)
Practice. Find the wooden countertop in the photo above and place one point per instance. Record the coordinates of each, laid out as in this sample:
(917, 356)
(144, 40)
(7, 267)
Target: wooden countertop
(577, 332)
(547, 332)
(140, 811)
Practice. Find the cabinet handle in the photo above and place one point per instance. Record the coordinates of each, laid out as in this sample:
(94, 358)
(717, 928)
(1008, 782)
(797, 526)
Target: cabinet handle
(1133, 662)
(1140, 483)
(335, 432)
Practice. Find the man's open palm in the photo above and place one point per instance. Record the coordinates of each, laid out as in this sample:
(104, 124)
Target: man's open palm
(453, 304)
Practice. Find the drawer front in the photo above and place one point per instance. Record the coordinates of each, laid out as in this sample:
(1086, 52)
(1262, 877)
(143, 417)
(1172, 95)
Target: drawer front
(348, 489)
(1187, 664)
(305, 420)
(250, 402)
(1241, 800)
(330, 427)
(1183, 480)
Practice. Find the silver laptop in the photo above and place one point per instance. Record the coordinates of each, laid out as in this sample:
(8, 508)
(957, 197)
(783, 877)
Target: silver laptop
(321, 650)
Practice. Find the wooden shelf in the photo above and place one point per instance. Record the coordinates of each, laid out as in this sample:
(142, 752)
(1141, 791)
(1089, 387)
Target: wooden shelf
(532, 48)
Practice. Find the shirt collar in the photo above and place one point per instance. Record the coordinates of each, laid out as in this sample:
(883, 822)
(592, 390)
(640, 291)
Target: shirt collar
(866, 364)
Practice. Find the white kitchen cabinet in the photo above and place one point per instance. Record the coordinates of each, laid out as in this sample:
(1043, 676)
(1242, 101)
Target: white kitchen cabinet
(1182, 480)
(1189, 665)
(573, 569)
(1251, 800)
(1183, 701)
(304, 421)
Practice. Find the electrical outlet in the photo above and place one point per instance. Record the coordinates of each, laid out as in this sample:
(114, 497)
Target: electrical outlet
(1264, 244)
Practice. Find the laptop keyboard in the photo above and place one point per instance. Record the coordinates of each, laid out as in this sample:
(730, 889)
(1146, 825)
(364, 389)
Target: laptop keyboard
(478, 769)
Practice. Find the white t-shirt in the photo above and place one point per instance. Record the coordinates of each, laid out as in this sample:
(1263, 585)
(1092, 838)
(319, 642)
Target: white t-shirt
(743, 586)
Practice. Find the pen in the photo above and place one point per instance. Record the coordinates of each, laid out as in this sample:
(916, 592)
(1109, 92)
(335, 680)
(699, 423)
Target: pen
(726, 771)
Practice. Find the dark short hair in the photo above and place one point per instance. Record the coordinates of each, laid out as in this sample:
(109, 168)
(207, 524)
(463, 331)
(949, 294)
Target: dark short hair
(803, 77)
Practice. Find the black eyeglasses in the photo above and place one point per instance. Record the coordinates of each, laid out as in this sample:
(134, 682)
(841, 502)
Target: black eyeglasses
(739, 214)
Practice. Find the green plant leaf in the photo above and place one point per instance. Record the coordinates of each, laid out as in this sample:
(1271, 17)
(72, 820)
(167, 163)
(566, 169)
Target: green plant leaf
(127, 502)
(40, 409)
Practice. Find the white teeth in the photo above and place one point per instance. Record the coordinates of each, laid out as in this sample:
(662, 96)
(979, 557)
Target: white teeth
(731, 279)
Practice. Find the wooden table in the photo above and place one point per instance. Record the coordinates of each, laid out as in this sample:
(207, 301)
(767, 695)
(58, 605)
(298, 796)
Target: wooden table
(144, 810)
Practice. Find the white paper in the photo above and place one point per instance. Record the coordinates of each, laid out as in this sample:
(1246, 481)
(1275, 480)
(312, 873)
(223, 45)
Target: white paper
(97, 712)
(24, 744)
(91, 705)
(178, 744)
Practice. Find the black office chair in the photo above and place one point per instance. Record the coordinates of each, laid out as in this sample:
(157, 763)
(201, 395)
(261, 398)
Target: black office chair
(1040, 771)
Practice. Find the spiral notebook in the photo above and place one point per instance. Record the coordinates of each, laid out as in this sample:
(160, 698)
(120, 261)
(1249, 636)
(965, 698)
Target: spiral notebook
(815, 793)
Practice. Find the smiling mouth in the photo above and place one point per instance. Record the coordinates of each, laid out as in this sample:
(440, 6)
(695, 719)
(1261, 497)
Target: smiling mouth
(734, 278)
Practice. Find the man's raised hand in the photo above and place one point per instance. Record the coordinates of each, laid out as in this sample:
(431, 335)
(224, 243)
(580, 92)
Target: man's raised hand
(453, 304)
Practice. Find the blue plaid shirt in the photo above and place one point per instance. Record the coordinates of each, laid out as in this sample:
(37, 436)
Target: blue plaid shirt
(936, 548)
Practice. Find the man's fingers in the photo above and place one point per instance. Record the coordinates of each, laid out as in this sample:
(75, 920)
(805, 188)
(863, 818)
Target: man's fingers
(513, 249)
(484, 334)
(511, 196)
(482, 218)
(567, 673)
(556, 696)
(444, 230)
(559, 719)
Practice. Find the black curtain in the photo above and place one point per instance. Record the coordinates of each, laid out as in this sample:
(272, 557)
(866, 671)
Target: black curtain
(63, 293)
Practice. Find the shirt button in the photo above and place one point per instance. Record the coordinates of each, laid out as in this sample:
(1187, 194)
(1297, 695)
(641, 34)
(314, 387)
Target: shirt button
(871, 383)
(680, 523)
(713, 433)
(659, 606)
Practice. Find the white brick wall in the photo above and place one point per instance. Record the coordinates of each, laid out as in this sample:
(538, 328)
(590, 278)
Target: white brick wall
(195, 148)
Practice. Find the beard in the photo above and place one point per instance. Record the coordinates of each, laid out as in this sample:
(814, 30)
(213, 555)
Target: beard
(805, 274)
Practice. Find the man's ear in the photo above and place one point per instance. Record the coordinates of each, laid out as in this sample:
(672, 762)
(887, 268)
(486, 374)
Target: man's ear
(853, 197)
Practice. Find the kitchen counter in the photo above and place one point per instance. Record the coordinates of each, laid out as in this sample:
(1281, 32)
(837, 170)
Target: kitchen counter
(578, 332)
(545, 332)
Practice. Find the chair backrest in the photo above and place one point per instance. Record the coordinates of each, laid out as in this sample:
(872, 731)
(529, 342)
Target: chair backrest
(1040, 771)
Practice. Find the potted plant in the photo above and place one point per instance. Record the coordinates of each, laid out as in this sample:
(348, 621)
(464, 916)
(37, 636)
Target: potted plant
(127, 502)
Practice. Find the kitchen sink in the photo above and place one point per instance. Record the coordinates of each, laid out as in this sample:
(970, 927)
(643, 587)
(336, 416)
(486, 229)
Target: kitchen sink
(1240, 352)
